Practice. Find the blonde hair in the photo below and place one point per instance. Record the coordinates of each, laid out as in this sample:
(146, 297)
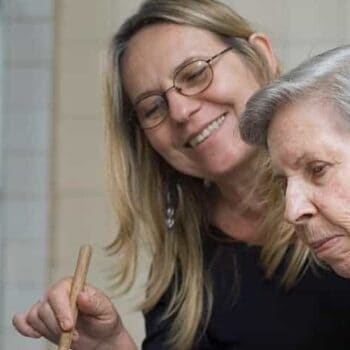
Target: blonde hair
(140, 178)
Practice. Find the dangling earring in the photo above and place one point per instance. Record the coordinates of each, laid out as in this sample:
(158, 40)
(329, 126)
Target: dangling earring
(169, 212)
(171, 200)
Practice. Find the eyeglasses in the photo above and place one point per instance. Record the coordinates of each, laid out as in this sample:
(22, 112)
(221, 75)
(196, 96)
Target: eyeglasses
(192, 79)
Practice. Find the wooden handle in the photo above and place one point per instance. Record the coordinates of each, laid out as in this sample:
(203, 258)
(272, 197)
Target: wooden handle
(77, 285)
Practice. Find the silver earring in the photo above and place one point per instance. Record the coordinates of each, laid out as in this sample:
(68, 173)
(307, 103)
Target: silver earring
(169, 213)
(171, 204)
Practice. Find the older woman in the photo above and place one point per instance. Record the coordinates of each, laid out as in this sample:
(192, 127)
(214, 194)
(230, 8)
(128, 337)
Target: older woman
(304, 121)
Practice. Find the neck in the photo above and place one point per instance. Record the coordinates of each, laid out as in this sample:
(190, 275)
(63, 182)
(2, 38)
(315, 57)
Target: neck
(237, 210)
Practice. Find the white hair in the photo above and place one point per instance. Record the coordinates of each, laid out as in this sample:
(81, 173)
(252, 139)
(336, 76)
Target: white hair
(326, 75)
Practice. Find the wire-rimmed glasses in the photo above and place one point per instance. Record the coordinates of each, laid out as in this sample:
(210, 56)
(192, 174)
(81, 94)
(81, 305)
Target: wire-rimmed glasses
(191, 79)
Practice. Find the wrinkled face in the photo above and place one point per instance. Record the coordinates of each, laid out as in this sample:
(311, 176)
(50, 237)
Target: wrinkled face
(200, 136)
(309, 144)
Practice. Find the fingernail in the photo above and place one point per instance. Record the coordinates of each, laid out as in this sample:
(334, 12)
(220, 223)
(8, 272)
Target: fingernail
(64, 324)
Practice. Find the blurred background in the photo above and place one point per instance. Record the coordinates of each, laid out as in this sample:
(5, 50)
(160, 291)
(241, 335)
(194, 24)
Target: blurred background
(53, 193)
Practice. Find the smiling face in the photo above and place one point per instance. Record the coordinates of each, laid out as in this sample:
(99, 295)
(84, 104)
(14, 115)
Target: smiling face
(309, 144)
(200, 136)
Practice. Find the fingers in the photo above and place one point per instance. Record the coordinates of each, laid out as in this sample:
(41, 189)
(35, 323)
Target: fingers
(32, 324)
(58, 300)
(98, 317)
(47, 317)
(92, 302)
(98, 321)
(19, 321)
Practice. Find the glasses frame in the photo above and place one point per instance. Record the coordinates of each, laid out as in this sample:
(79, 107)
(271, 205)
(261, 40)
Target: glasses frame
(163, 94)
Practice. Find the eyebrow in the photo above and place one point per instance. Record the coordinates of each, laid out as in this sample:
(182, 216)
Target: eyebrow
(184, 63)
(301, 159)
(146, 94)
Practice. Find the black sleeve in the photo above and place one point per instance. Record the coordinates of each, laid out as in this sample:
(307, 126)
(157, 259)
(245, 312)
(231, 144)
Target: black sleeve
(157, 328)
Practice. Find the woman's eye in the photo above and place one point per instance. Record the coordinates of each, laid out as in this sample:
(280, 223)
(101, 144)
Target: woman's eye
(151, 107)
(317, 169)
(151, 112)
(195, 74)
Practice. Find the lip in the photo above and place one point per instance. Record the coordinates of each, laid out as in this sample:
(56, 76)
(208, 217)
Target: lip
(194, 134)
(323, 244)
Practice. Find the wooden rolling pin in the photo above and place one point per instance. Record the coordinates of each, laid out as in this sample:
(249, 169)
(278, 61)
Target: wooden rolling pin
(77, 285)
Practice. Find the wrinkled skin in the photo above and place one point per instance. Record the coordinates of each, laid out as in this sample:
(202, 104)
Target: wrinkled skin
(309, 144)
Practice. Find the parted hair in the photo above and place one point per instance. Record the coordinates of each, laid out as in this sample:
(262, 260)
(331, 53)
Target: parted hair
(140, 179)
(325, 76)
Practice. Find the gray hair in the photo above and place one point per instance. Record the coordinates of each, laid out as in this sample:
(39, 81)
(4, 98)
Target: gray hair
(326, 76)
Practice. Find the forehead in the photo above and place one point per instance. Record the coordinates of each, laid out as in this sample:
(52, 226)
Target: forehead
(315, 114)
(170, 35)
(306, 127)
(155, 51)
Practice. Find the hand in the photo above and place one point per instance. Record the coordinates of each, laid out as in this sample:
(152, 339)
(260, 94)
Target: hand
(98, 325)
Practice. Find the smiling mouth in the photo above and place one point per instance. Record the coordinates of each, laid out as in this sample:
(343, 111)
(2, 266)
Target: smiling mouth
(207, 131)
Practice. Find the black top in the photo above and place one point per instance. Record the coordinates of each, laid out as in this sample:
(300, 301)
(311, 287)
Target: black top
(251, 313)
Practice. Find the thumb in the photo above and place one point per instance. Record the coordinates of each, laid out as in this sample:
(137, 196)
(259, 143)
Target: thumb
(94, 303)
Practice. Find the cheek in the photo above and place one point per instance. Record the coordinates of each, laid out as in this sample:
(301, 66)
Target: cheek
(162, 144)
(159, 139)
(232, 92)
(337, 192)
(334, 205)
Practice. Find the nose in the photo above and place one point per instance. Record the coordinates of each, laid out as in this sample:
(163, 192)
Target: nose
(299, 208)
(181, 107)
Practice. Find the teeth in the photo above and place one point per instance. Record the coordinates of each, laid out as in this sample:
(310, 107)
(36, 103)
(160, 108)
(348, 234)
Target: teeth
(207, 131)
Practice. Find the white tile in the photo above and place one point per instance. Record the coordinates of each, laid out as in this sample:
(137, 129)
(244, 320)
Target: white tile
(347, 21)
(84, 20)
(29, 42)
(80, 162)
(262, 15)
(28, 90)
(314, 20)
(298, 53)
(18, 300)
(11, 340)
(29, 8)
(25, 218)
(28, 131)
(26, 175)
(25, 263)
(79, 80)
(120, 10)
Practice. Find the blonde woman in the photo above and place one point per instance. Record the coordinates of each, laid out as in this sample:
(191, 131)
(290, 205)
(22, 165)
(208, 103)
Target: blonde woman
(180, 74)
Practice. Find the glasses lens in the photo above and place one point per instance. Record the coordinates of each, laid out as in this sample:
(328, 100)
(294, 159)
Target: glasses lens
(151, 111)
(194, 78)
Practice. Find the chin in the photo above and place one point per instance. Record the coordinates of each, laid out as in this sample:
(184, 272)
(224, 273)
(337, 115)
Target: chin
(342, 268)
(336, 254)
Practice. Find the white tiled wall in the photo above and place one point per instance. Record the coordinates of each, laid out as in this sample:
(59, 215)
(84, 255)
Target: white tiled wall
(75, 207)
(25, 144)
(298, 28)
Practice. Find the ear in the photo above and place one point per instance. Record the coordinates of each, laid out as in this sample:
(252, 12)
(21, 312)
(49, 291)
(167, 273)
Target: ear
(263, 43)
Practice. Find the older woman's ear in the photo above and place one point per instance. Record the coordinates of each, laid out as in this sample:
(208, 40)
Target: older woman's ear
(263, 43)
